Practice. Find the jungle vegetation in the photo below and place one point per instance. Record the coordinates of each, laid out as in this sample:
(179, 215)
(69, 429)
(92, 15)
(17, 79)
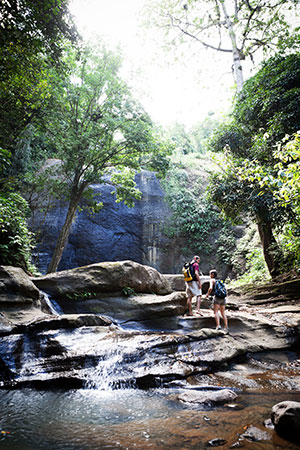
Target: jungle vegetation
(65, 100)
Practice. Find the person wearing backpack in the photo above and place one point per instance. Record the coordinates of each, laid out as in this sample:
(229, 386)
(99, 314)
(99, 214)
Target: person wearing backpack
(193, 288)
(218, 290)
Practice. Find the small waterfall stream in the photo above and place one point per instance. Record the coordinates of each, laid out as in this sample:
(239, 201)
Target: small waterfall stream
(50, 305)
(103, 376)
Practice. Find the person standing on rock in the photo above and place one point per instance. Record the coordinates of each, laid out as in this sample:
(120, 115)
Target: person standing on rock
(219, 303)
(194, 287)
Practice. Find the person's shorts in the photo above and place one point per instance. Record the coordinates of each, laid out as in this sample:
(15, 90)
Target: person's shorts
(219, 300)
(192, 289)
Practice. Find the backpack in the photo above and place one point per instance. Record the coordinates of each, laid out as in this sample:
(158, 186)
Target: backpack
(188, 271)
(220, 289)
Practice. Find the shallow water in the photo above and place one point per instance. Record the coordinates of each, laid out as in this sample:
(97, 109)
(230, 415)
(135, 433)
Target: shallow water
(132, 419)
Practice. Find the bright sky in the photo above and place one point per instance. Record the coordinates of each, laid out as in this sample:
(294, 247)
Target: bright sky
(184, 91)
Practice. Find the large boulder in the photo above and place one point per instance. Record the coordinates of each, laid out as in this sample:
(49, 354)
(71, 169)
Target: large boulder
(177, 282)
(286, 419)
(20, 299)
(104, 277)
(16, 286)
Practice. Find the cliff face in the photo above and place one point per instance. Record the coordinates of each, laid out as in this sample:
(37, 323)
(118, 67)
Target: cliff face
(119, 233)
(115, 233)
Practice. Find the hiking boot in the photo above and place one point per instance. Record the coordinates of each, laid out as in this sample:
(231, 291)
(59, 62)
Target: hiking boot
(226, 330)
(219, 327)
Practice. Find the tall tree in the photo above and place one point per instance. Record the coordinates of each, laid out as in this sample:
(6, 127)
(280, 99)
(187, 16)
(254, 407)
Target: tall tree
(100, 132)
(236, 27)
(266, 109)
(31, 40)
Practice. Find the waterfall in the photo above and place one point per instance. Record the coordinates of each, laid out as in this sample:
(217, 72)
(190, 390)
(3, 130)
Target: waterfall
(112, 370)
(103, 374)
(50, 305)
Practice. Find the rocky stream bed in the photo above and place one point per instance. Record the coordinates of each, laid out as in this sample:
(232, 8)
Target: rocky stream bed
(92, 336)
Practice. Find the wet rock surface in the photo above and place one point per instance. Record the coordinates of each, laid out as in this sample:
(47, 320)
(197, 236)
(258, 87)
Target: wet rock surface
(286, 419)
(143, 340)
(208, 397)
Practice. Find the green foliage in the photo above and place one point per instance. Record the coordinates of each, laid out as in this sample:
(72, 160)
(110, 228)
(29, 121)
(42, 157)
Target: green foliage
(36, 26)
(287, 179)
(125, 185)
(192, 215)
(128, 291)
(31, 40)
(16, 242)
(248, 260)
(84, 295)
(265, 110)
(283, 181)
(268, 105)
(226, 245)
(289, 239)
(100, 132)
(256, 270)
(201, 133)
(181, 138)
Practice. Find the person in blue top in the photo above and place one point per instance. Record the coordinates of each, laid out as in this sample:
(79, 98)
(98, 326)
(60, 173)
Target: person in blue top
(219, 303)
(194, 288)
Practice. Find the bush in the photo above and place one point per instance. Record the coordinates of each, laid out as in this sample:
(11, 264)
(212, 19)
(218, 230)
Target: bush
(16, 242)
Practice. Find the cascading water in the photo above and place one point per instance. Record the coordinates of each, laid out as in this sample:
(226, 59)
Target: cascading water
(109, 369)
(111, 372)
(50, 305)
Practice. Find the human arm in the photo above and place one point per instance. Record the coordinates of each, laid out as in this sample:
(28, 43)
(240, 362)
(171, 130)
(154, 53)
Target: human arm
(211, 288)
(197, 274)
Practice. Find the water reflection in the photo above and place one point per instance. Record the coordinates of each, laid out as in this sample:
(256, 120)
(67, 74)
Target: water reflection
(132, 419)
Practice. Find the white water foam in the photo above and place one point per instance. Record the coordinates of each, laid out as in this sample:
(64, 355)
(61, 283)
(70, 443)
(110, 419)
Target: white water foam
(49, 304)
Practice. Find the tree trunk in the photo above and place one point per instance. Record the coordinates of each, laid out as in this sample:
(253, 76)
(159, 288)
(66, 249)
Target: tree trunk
(65, 231)
(237, 63)
(270, 247)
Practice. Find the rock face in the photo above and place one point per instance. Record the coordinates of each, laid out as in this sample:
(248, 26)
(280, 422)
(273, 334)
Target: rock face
(104, 277)
(19, 298)
(286, 419)
(116, 232)
(16, 286)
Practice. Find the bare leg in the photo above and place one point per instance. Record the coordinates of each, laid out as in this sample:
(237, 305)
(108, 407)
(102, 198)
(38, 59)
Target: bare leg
(199, 298)
(223, 314)
(216, 312)
(189, 304)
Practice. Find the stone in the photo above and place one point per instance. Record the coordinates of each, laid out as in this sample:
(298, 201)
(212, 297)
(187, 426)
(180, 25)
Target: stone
(216, 442)
(104, 277)
(16, 286)
(286, 419)
(177, 282)
(255, 434)
(125, 309)
(19, 298)
(208, 397)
